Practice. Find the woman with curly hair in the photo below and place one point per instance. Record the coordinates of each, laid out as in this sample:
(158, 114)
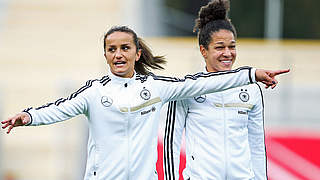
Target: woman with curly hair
(224, 130)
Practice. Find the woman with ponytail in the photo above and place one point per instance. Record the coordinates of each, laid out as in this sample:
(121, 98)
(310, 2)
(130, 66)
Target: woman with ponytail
(224, 131)
(123, 107)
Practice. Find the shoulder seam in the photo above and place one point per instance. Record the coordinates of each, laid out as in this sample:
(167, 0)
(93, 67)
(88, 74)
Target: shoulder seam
(104, 80)
(199, 75)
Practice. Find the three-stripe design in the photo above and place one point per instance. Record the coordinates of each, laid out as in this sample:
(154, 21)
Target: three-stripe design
(202, 75)
(104, 80)
(168, 142)
(143, 78)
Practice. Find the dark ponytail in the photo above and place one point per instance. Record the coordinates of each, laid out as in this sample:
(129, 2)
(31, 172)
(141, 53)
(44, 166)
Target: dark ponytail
(147, 60)
(212, 18)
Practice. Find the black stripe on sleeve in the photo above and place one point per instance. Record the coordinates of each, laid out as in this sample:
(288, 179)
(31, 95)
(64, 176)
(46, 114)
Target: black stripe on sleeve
(201, 75)
(104, 80)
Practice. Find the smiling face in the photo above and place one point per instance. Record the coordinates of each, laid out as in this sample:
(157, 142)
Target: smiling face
(121, 53)
(221, 52)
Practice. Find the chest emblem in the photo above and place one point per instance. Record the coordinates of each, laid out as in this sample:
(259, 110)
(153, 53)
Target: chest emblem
(200, 99)
(106, 101)
(244, 95)
(145, 94)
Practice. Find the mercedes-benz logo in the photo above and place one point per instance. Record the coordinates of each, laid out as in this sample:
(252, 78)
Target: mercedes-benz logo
(106, 101)
(200, 99)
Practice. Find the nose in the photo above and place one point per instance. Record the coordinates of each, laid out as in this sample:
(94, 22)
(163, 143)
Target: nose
(227, 52)
(118, 54)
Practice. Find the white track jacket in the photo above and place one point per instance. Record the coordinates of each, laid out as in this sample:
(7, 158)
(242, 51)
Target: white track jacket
(123, 116)
(224, 136)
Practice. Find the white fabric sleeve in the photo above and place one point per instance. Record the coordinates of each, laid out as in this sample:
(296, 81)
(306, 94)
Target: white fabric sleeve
(175, 124)
(257, 137)
(62, 109)
(203, 83)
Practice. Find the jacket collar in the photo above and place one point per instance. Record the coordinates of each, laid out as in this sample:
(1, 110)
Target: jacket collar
(121, 80)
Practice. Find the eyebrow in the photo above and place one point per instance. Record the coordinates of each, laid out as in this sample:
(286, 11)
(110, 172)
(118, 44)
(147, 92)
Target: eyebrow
(221, 42)
(112, 45)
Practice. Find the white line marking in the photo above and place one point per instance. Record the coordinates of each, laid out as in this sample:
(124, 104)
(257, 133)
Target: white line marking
(294, 161)
(277, 172)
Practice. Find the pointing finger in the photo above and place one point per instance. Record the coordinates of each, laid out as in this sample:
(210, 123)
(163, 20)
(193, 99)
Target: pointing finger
(278, 72)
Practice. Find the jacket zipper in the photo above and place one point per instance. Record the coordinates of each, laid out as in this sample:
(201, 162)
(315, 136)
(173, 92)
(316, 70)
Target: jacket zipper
(127, 172)
(95, 161)
(128, 143)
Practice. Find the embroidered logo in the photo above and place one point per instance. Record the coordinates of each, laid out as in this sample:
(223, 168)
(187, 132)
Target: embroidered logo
(242, 112)
(244, 96)
(200, 99)
(145, 94)
(153, 109)
(106, 101)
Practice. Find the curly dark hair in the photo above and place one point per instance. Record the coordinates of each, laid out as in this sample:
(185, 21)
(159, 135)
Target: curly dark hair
(147, 60)
(212, 18)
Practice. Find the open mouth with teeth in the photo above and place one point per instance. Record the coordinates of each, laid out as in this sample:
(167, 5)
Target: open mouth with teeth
(120, 63)
(226, 62)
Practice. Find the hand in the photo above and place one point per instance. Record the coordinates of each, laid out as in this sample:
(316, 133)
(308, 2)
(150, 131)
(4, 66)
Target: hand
(20, 119)
(267, 77)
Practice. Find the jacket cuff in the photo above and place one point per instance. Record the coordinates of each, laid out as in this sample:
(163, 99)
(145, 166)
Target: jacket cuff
(30, 116)
(252, 75)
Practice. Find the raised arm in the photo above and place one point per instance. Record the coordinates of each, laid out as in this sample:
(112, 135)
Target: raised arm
(60, 110)
(204, 83)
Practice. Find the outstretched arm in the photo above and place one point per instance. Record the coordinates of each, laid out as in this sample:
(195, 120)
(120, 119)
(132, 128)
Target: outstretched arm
(20, 119)
(204, 83)
(267, 77)
(60, 110)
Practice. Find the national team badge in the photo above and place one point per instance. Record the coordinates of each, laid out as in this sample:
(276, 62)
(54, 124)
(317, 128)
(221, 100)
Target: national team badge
(106, 101)
(145, 94)
(244, 96)
(200, 99)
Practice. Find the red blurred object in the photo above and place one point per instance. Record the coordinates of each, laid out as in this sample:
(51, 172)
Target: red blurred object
(292, 155)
